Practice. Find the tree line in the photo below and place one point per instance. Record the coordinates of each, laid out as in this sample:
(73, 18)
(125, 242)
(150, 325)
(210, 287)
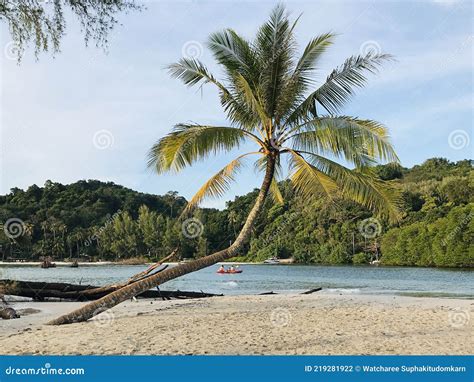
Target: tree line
(97, 220)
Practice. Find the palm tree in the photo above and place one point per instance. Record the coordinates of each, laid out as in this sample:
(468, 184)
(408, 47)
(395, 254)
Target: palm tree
(268, 97)
(232, 220)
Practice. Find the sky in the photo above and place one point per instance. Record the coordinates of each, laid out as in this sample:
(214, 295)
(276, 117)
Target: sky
(90, 114)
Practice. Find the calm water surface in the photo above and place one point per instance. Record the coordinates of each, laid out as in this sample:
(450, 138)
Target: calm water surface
(279, 278)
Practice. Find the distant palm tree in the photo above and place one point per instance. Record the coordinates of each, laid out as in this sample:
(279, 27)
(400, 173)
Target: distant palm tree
(232, 220)
(268, 100)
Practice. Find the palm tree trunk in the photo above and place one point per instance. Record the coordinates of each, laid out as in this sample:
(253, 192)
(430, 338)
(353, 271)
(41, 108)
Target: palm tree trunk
(92, 309)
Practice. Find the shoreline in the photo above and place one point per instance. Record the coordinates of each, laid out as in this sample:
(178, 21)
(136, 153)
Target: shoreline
(273, 324)
(106, 263)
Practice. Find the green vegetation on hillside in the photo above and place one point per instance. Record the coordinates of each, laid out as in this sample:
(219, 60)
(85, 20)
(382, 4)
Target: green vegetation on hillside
(106, 221)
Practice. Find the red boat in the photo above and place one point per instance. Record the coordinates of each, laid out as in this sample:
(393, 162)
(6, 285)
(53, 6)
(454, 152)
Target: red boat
(223, 271)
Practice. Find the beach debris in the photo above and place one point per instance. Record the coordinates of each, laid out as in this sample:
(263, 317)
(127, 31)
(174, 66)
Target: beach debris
(8, 313)
(306, 292)
(312, 290)
(40, 291)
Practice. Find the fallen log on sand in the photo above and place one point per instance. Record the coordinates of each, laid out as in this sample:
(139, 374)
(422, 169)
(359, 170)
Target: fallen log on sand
(167, 295)
(39, 291)
(306, 292)
(8, 313)
(312, 290)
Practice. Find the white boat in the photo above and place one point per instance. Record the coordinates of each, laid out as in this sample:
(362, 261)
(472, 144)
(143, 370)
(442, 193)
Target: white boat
(272, 260)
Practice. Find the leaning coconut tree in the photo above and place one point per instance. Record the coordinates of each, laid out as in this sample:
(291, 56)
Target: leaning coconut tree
(270, 98)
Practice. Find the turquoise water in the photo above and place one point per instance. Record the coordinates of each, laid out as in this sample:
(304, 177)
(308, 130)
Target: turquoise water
(279, 278)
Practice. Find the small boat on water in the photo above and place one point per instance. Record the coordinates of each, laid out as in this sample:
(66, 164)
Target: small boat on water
(272, 260)
(228, 271)
(231, 270)
(74, 264)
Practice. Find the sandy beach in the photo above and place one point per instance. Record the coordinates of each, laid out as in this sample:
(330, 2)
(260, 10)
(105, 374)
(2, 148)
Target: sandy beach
(272, 324)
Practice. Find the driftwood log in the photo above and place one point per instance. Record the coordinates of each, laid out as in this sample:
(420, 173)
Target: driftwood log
(312, 290)
(8, 313)
(40, 291)
(306, 292)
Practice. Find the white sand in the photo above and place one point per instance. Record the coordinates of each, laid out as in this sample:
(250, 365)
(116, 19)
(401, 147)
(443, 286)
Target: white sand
(274, 324)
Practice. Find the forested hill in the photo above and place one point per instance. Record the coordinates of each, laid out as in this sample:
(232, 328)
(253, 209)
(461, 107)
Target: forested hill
(97, 220)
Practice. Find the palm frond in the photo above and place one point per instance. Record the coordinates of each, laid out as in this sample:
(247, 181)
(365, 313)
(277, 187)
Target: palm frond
(193, 72)
(275, 192)
(296, 83)
(275, 46)
(234, 53)
(188, 143)
(362, 186)
(306, 178)
(253, 100)
(359, 141)
(314, 49)
(217, 185)
(340, 85)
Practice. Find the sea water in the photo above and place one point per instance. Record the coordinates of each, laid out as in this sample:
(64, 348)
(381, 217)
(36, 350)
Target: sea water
(277, 278)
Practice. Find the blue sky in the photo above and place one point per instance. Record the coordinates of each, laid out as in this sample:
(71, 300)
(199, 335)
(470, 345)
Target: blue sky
(52, 109)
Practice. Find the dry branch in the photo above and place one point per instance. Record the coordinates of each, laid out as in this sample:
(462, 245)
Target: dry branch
(312, 291)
